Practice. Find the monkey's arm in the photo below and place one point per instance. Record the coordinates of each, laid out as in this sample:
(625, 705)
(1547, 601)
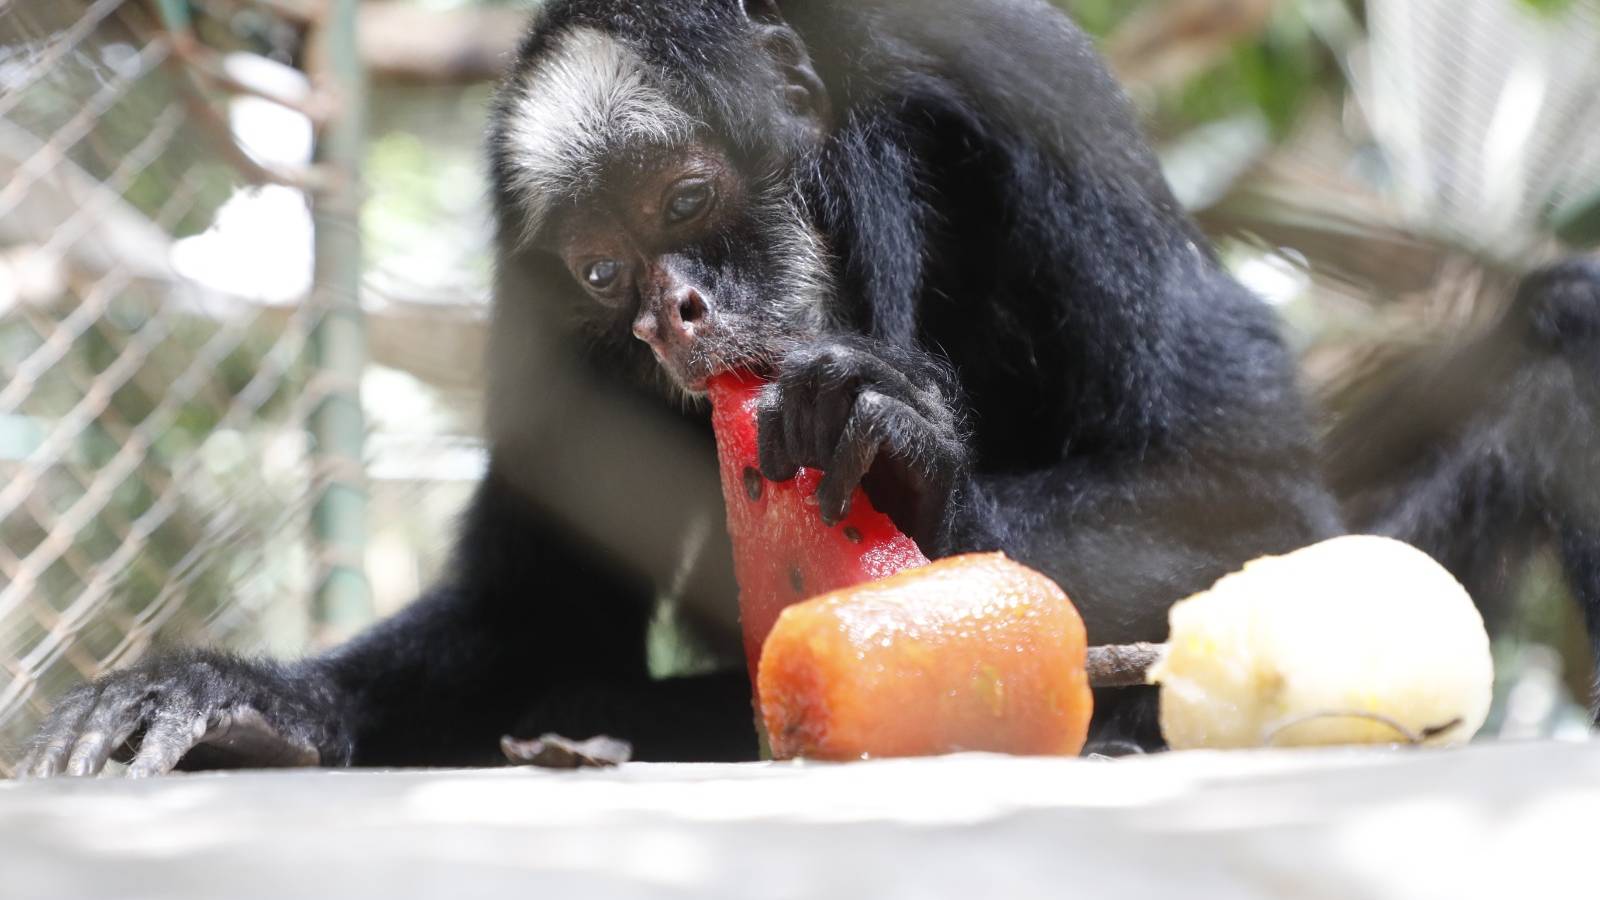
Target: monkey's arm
(532, 617)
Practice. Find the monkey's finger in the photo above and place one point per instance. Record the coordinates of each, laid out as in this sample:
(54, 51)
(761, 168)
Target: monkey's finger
(872, 421)
(798, 401)
(59, 732)
(831, 407)
(244, 736)
(818, 387)
(875, 373)
(108, 727)
(174, 734)
(776, 462)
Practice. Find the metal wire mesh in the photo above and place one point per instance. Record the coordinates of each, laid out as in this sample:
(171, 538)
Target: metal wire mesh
(155, 475)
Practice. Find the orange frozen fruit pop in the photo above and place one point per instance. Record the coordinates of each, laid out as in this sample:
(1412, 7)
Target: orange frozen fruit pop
(968, 653)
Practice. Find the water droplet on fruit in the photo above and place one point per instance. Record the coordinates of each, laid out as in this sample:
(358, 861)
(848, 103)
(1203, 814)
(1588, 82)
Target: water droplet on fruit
(752, 483)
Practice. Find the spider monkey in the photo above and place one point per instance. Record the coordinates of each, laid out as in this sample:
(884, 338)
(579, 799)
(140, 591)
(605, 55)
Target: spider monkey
(936, 226)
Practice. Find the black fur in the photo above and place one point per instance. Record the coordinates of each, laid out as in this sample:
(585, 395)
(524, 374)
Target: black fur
(1063, 371)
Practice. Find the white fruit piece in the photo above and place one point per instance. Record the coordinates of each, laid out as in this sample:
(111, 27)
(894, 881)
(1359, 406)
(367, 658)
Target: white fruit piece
(1356, 640)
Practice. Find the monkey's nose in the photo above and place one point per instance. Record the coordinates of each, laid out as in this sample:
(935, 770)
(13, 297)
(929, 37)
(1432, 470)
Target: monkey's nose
(691, 308)
(673, 321)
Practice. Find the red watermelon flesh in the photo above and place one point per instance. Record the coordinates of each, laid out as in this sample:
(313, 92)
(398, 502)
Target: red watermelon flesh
(782, 551)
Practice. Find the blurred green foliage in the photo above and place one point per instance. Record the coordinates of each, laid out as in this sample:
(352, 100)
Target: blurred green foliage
(1548, 6)
(1274, 75)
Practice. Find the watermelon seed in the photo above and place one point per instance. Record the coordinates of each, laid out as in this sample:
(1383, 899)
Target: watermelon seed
(797, 581)
(752, 483)
(852, 534)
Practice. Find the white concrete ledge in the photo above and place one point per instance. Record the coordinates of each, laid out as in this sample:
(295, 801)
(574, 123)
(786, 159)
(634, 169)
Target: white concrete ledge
(1495, 820)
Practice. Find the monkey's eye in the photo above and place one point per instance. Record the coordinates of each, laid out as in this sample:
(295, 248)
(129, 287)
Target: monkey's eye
(688, 201)
(602, 274)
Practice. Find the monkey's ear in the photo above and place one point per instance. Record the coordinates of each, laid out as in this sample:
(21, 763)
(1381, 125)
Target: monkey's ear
(804, 92)
(762, 11)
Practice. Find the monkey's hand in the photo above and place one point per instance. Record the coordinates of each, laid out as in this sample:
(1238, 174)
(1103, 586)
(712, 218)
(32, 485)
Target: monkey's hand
(191, 710)
(865, 414)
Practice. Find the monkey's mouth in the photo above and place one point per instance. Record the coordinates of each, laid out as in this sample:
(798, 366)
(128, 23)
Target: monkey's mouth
(697, 383)
(725, 344)
(693, 374)
(700, 385)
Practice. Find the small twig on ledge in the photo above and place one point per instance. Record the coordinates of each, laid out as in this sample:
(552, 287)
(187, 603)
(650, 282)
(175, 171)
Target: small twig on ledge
(556, 752)
(1122, 665)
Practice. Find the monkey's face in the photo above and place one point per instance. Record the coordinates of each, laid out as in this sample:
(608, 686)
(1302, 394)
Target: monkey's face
(673, 202)
(711, 269)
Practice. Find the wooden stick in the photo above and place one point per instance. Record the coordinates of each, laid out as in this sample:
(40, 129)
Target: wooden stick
(1122, 665)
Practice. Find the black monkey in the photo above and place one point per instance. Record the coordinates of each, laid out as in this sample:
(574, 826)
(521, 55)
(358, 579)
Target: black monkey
(937, 226)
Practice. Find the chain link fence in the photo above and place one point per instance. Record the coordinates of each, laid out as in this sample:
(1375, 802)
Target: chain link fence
(180, 432)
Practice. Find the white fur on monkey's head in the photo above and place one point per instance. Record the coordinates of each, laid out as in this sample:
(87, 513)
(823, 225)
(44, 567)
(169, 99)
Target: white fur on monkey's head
(589, 97)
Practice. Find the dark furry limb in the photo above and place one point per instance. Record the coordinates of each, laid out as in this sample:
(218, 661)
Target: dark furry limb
(1484, 454)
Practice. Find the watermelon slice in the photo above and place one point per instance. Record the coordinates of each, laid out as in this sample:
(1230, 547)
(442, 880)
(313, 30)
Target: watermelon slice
(782, 552)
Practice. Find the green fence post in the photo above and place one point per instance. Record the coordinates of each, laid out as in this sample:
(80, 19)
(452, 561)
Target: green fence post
(343, 601)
